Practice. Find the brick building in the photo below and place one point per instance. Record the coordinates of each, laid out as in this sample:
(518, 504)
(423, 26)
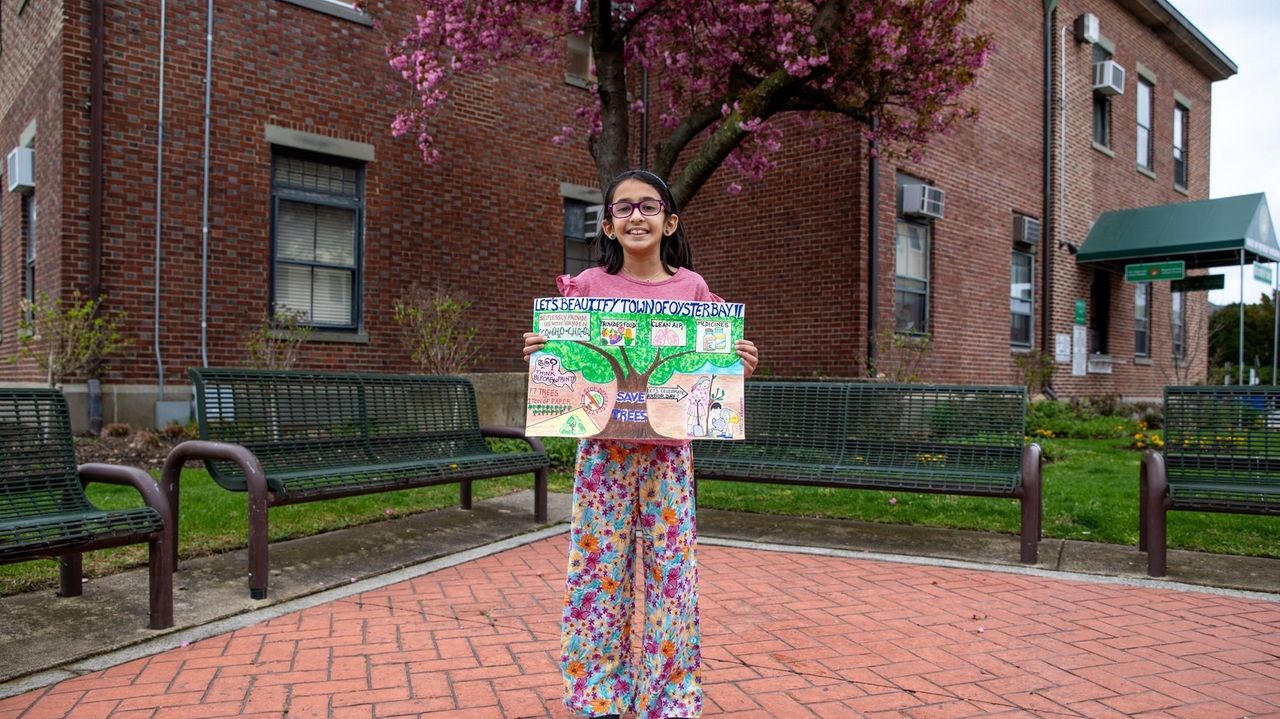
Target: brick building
(297, 194)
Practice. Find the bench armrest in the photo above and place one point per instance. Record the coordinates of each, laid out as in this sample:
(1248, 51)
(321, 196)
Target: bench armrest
(151, 492)
(513, 433)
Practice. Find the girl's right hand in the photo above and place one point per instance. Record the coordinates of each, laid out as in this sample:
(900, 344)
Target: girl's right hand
(532, 343)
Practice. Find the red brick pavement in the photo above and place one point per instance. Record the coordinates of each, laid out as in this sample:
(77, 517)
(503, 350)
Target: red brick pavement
(786, 636)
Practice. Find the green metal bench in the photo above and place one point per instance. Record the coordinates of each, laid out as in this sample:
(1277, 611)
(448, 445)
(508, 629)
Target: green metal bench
(1221, 454)
(44, 511)
(945, 439)
(286, 437)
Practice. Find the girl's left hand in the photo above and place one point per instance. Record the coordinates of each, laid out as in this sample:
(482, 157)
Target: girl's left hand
(750, 358)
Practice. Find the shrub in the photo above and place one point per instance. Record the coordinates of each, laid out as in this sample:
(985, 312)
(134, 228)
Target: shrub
(439, 339)
(117, 429)
(68, 340)
(1075, 420)
(276, 342)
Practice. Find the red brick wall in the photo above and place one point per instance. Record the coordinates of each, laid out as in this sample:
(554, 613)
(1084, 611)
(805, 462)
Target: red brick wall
(486, 221)
(30, 83)
(1095, 182)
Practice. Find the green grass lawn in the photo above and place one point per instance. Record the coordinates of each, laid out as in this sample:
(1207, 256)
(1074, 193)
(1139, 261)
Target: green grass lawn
(1091, 494)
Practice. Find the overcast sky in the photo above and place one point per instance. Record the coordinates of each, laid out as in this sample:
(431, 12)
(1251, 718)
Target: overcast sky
(1245, 146)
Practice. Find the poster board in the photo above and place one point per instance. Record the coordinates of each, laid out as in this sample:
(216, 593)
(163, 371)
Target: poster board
(638, 370)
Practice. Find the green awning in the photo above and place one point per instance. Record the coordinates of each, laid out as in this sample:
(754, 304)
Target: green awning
(1204, 233)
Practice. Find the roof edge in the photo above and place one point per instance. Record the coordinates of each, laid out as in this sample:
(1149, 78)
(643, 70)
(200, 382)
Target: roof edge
(1185, 37)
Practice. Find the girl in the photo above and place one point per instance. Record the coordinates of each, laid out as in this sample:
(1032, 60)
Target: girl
(619, 485)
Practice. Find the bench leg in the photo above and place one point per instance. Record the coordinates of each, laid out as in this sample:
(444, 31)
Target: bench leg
(70, 575)
(540, 496)
(257, 540)
(160, 566)
(1032, 504)
(1153, 489)
(464, 494)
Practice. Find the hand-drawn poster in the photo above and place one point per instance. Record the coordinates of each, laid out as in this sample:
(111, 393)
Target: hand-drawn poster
(636, 369)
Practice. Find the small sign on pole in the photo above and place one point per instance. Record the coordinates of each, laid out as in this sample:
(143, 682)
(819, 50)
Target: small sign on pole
(1155, 271)
(1080, 312)
(1262, 273)
(1199, 283)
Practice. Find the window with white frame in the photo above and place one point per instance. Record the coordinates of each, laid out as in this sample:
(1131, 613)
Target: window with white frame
(1021, 298)
(1146, 109)
(581, 224)
(911, 278)
(317, 238)
(1101, 104)
(1142, 319)
(1180, 146)
(1178, 322)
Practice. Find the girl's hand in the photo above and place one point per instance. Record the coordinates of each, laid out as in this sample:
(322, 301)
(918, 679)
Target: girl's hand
(750, 358)
(532, 343)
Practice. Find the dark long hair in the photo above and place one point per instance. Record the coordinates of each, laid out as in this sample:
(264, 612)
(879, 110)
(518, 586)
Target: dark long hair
(674, 251)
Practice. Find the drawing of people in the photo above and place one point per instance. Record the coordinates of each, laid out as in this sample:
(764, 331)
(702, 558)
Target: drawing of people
(699, 397)
(716, 420)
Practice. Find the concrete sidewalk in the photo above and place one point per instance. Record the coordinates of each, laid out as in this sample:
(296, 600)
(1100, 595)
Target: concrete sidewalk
(48, 643)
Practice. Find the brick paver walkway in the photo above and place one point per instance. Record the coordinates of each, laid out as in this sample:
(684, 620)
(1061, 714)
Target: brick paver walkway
(786, 636)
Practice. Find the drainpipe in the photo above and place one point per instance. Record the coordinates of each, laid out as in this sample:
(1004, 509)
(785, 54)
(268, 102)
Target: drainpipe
(97, 81)
(97, 70)
(1046, 255)
(159, 206)
(873, 232)
(204, 222)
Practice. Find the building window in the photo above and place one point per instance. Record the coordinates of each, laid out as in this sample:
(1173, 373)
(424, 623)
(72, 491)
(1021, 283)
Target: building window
(1101, 105)
(1021, 298)
(580, 67)
(317, 239)
(1142, 319)
(911, 281)
(29, 252)
(1146, 149)
(581, 225)
(1178, 321)
(1180, 146)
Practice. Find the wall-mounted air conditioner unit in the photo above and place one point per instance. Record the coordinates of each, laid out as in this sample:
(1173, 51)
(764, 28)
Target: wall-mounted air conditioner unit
(21, 169)
(1087, 28)
(1108, 78)
(1026, 231)
(923, 201)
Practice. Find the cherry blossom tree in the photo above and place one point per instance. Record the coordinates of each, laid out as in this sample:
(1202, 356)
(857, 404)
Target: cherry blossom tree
(723, 71)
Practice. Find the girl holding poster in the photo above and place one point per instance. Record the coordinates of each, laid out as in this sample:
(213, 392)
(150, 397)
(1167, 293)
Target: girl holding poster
(620, 487)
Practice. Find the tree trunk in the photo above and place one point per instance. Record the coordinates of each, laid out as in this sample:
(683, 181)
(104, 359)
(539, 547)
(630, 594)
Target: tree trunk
(630, 420)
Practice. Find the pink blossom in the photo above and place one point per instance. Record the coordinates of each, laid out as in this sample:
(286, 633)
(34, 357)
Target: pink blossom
(905, 63)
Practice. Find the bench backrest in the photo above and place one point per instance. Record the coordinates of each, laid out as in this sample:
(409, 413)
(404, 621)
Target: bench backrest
(1223, 436)
(38, 473)
(294, 420)
(884, 424)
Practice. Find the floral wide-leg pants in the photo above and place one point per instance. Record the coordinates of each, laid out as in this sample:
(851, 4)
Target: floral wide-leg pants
(619, 488)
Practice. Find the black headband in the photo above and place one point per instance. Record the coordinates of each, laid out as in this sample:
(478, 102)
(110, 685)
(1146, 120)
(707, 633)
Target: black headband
(661, 183)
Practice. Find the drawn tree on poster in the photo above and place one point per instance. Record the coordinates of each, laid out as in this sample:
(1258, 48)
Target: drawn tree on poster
(635, 368)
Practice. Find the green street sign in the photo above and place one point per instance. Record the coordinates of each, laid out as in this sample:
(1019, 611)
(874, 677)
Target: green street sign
(1262, 273)
(1155, 271)
(1201, 283)
(1080, 312)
